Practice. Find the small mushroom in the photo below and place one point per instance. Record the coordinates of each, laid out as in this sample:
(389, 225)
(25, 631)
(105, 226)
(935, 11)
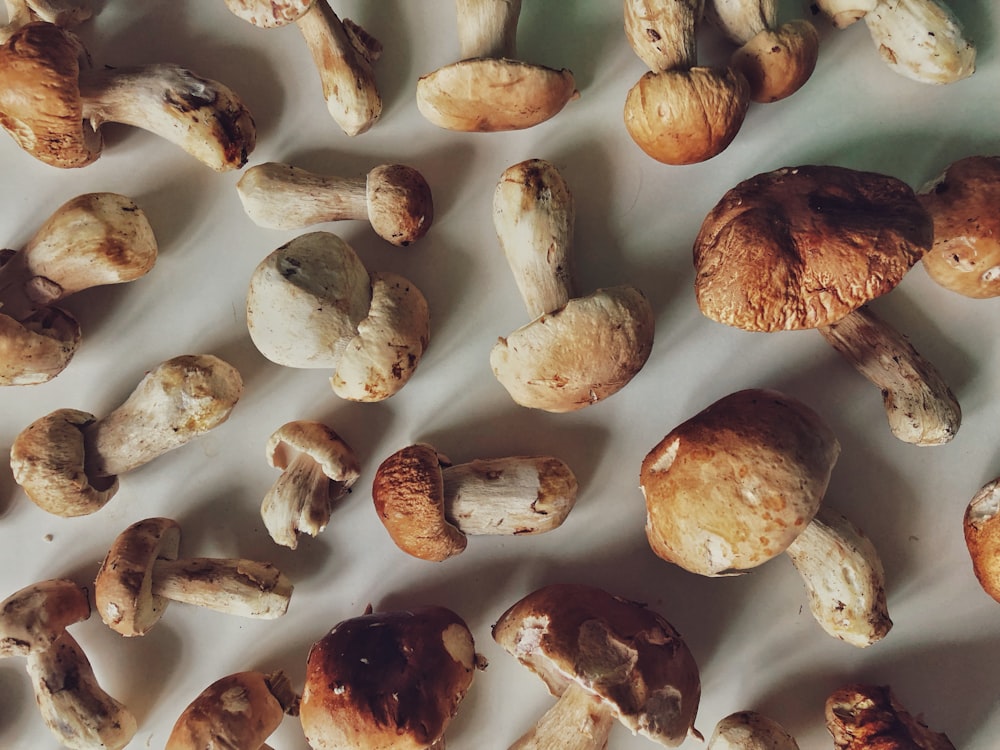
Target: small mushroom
(488, 89)
(68, 461)
(808, 247)
(862, 717)
(142, 574)
(741, 482)
(428, 506)
(343, 52)
(240, 710)
(577, 350)
(982, 536)
(606, 658)
(388, 680)
(394, 198)
(317, 469)
(749, 730)
(312, 304)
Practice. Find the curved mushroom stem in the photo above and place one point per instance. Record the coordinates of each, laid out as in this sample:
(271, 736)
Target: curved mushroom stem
(237, 587)
(488, 28)
(920, 406)
(664, 34)
(577, 721)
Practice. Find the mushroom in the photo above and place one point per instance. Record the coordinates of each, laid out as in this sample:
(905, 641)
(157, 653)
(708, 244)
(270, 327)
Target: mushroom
(142, 574)
(576, 351)
(394, 198)
(65, 13)
(80, 714)
(488, 89)
(964, 202)
(343, 52)
(808, 247)
(749, 730)
(605, 658)
(68, 461)
(861, 717)
(53, 105)
(317, 469)
(240, 710)
(388, 680)
(742, 481)
(312, 304)
(982, 536)
(428, 506)
(679, 112)
(37, 347)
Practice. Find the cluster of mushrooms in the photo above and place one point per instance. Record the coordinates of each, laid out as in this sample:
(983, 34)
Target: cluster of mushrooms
(735, 485)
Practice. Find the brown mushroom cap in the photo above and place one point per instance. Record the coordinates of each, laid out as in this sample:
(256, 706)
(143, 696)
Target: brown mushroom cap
(387, 681)
(33, 618)
(735, 484)
(400, 206)
(802, 247)
(869, 717)
(982, 536)
(778, 62)
(38, 347)
(628, 656)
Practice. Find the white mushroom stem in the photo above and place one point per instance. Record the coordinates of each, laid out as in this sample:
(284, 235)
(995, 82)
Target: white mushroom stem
(664, 34)
(300, 501)
(842, 13)
(843, 574)
(280, 196)
(742, 20)
(918, 403)
(749, 730)
(237, 587)
(577, 721)
(488, 28)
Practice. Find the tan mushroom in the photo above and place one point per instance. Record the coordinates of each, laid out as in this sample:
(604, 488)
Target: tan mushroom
(68, 461)
(488, 89)
(37, 347)
(142, 574)
(606, 658)
(576, 351)
(750, 730)
(428, 506)
(982, 536)
(861, 717)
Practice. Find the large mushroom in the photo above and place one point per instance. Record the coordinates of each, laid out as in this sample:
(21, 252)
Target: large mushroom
(741, 482)
(576, 351)
(807, 247)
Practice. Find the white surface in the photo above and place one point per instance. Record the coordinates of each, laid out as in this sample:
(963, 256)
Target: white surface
(753, 637)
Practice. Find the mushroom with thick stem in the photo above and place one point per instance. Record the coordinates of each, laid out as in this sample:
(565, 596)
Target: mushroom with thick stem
(141, 575)
(312, 304)
(68, 461)
(317, 469)
(428, 506)
(741, 482)
(982, 536)
(343, 52)
(606, 658)
(394, 198)
(577, 350)
(861, 717)
(808, 247)
(488, 89)
(750, 730)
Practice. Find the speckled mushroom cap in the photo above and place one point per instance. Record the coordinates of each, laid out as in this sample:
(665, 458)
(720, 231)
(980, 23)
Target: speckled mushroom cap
(268, 14)
(802, 247)
(735, 484)
(387, 681)
(628, 656)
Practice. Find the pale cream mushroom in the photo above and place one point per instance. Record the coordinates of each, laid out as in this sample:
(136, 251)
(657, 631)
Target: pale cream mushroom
(343, 52)
(65, 13)
(141, 575)
(750, 730)
(861, 717)
(982, 536)
(38, 346)
(488, 89)
(741, 482)
(842, 13)
(576, 351)
(312, 304)
(428, 505)
(394, 198)
(68, 461)
(317, 469)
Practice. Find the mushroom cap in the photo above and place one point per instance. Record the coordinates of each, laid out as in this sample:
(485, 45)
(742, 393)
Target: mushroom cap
(802, 247)
(487, 95)
(400, 206)
(778, 62)
(387, 681)
(40, 103)
(735, 484)
(33, 618)
(964, 203)
(38, 347)
(123, 589)
(628, 656)
(578, 355)
(267, 14)
(749, 730)
(48, 460)
(320, 443)
(866, 717)
(982, 537)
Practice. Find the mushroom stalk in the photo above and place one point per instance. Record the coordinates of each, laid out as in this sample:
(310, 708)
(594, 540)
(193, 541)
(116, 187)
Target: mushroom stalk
(577, 721)
(237, 587)
(742, 20)
(299, 501)
(664, 35)
(488, 28)
(842, 13)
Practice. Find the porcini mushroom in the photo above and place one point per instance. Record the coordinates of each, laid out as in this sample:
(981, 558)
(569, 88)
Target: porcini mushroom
(141, 575)
(576, 351)
(394, 198)
(488, 89)
(68, 461)
(750, 730)
(343, 52)
(741, 482)
(312, 304)
(861, 717)
(982, 536)
(808, 247)
(606, 658)
(388, 680)
(317, 469)
(428, 506)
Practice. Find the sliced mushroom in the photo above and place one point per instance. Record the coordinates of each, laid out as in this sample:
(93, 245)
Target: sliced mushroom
(982, 536)
(749, 730)
(861, 717)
